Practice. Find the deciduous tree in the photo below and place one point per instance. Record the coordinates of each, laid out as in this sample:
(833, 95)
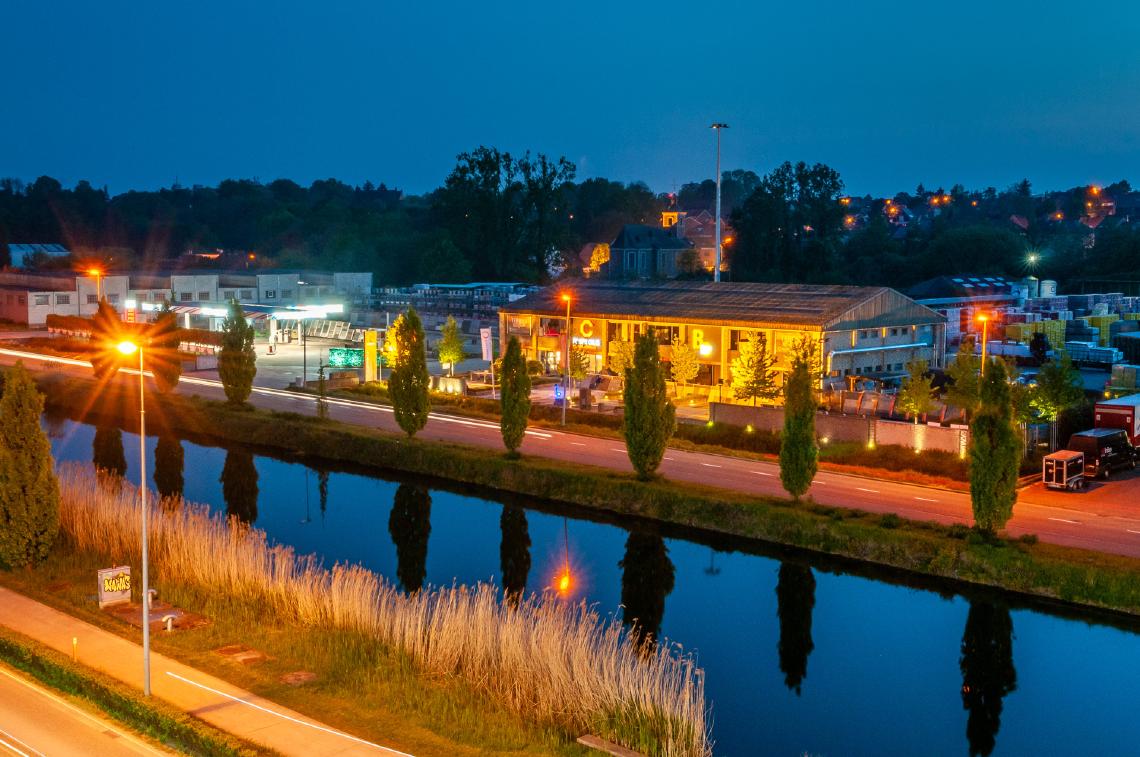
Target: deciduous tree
(451, 345)
(409, 383)
(515, 398)
(964, 389)
(650, 417)
(1059, 387)
(29, 491)
(237, 360)
(684, 362)
(915, 394)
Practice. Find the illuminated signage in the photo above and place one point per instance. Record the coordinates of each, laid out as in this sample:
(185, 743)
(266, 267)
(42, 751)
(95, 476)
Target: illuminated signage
(581, 341)
(586, 329)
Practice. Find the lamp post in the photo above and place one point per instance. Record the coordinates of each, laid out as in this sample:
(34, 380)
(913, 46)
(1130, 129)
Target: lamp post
(718, 127)
(566, 394)
(128, 348)
(98, 283)
(304, 344)
(985, 319)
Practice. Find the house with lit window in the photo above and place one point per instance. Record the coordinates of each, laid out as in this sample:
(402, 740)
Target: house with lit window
(861, 331)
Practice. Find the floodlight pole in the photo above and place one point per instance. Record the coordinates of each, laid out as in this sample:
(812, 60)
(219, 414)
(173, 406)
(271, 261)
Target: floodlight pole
(566, 394)
(145, 556)
(717, 127)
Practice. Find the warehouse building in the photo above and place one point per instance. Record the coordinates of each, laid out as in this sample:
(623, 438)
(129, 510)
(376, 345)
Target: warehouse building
(862, 331)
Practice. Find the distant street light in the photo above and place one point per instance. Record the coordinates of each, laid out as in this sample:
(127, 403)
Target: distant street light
(566, 394)
(129, 348)
(718, 127)
(985, 319)
(98, 282)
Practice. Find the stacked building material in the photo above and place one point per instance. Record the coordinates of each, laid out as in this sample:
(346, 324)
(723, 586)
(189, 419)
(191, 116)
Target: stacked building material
(1102, 323)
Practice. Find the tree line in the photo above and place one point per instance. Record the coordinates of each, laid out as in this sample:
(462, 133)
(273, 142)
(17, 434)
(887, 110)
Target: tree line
(499, 216)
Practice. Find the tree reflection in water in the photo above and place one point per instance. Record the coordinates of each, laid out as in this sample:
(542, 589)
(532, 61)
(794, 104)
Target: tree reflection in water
(514, 551)
(107, 451)
(323, 489)
(795, 600)
(410, 525)
(987, 672)
(646, 579)
(169, 461)
(239, 486)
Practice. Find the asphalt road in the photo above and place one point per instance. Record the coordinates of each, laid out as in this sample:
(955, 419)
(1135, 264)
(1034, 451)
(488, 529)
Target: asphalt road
(36, 722)
(1107, 518)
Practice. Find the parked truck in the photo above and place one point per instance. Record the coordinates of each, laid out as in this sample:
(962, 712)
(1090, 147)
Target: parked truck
(1123, 413)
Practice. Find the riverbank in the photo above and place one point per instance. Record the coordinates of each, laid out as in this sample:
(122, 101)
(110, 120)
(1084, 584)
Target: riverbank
(1023, 566)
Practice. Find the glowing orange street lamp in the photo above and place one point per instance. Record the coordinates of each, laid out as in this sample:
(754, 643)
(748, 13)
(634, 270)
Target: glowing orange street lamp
(129, 348)
(98, 282)
(985, 319)
(566, 376)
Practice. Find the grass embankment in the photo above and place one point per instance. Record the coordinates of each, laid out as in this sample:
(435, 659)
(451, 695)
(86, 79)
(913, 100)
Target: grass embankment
(1072, 575)
(149, 717)
(549, 663)
(931, 468)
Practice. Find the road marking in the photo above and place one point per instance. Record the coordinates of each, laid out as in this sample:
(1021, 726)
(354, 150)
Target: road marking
(578, 444)
(925, 499)
(821, 483)
(1129, 530)
(870, 491)
(1065, 520)
(710, 465)
(21, 743)
(615, 449)
(761, 473)
(668, 458)
(314, 726)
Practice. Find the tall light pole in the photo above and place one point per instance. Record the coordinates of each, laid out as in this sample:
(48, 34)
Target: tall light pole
(716, 266)
(304, 345)
(98, 283)
(985, 319)
(566, 394)
(127, 348)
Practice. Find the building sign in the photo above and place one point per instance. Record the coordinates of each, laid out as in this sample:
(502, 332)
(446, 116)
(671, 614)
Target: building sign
(114, 585)
(586, 329)
(370, 355)
(485, 343)
(581, 341)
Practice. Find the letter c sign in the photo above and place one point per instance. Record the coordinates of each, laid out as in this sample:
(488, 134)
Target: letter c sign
(586, 328)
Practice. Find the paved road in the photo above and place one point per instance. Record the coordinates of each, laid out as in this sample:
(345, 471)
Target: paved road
(35, 722)
(1104, 519)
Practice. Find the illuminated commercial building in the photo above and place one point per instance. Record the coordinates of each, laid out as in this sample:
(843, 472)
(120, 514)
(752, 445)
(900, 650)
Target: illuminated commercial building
(863, 331)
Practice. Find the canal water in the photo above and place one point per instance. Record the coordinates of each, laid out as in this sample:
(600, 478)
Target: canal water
(801, 656)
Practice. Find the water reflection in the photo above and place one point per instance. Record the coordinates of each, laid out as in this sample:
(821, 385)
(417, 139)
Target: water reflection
(514, 551)
(795, 600)
(323, 489)
(169, 460)
(987, 672)
(107, 451)
(239, 485)
(410, 525)
(646, 579)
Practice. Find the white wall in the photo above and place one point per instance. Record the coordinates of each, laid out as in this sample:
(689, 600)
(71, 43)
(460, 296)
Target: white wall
(196, 286)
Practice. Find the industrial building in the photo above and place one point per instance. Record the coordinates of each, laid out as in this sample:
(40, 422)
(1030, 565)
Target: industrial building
(864, 331)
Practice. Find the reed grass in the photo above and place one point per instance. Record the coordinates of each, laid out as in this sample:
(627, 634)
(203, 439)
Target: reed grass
(549, 661)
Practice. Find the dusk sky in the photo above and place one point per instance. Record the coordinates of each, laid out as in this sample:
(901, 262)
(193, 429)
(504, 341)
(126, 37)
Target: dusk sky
(136, 95)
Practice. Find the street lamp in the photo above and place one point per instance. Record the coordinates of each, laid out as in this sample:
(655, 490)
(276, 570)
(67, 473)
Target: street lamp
(566, 394)
(98, 282)
(129, 348)
(304, 345)
(985, 319)
(718, 127)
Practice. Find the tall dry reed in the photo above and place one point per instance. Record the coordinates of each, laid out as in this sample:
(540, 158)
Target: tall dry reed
(547, 660)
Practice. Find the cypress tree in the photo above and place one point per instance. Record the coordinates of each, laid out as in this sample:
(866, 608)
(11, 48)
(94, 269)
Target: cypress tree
(162, 349)
(995, 453)
(650, 417)
(29, 492)
(409, 383)
(237, 360)
(799, 456)
(515, 398)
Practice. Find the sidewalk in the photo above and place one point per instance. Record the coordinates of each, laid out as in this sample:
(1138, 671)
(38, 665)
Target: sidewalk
(226, 707)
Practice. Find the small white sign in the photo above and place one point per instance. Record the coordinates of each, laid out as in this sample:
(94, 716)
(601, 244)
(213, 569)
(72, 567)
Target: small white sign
(485, 341)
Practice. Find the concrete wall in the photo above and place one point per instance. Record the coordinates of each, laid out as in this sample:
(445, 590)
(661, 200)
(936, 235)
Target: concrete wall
(848, 428)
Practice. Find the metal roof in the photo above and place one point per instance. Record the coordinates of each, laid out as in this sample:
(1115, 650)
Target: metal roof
(729, 303)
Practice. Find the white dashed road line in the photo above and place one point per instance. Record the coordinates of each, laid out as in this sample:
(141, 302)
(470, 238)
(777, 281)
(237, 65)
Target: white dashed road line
(710, 465)
(1066, 520)
(869, 491)
(925, 499)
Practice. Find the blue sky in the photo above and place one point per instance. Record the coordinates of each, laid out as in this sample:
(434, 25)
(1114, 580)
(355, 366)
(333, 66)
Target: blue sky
(135, 95)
